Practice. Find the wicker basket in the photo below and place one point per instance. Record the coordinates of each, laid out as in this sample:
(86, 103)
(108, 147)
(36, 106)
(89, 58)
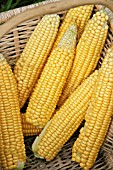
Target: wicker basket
(14, 35)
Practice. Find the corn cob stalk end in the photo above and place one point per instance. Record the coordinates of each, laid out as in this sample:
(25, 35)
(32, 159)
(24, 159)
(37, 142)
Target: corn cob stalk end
(20, 166)
(1, 57)
(37, 140)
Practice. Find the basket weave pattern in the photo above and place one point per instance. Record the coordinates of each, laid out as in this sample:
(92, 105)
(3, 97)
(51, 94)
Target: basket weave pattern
(4, 16)
(11, 45)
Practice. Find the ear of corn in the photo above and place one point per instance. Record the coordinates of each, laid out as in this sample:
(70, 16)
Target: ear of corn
(12, 149)
(80, 15)
(33, 57)
(98, 117)
(49, 87)
(87, 53)
(65, 122)
(28, 129)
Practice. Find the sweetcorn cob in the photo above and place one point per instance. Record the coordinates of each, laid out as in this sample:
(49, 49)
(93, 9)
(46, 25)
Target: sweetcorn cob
(65, 122)
(87, 53)
(12, 148)
(80, 15)
(28, 129)
(98, 117)
(33, 57)
(47, 91)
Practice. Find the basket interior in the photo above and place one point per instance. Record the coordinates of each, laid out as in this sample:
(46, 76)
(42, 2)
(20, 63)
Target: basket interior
(11, 45)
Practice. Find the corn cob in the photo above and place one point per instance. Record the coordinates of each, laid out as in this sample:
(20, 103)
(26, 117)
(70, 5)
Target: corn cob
(65, 122)
(33, 57)
(87, 53)
(79, 14)
(12, 148)
(28, 129)
(49, 87)
(98, 117)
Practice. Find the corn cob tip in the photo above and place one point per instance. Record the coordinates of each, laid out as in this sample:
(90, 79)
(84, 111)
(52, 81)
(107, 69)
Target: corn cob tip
(37, 140)
(51, 16)
(20, 166)
(1, 57)
(102, 13)
(69, 38)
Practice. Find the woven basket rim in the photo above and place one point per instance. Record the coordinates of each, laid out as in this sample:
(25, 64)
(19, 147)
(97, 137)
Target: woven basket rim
(4, 16)
(51, 7)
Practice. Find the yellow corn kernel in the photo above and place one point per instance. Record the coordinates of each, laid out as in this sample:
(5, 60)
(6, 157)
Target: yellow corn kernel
(98, 116)
(80, 15)
(34, 56)
(12, 148)
(28, 129)
(47, 91)
(87, 53)
(65, 122)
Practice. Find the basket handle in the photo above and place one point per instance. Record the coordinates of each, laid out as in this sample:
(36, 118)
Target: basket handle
(53, 7)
